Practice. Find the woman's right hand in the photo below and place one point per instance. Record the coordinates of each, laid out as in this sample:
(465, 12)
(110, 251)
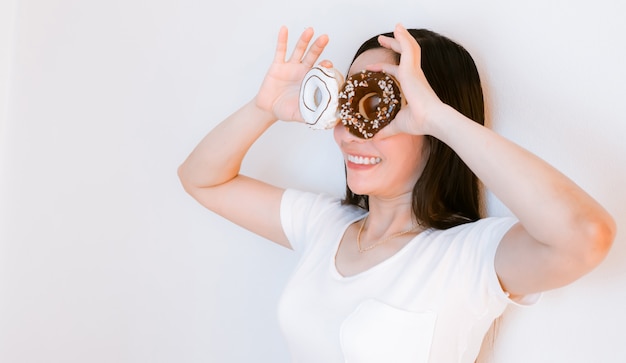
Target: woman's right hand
(280, 90)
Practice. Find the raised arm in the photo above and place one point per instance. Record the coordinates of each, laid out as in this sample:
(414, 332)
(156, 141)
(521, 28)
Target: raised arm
(563, 233)
(211, 172)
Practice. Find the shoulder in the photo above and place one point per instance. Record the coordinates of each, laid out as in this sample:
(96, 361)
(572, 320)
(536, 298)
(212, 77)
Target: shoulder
(477, 244)
(306, 215)
(469, 252)
(312, 203)
(485, 230)
(470, 246)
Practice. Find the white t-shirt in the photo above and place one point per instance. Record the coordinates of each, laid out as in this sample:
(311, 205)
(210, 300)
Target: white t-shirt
(433, 301)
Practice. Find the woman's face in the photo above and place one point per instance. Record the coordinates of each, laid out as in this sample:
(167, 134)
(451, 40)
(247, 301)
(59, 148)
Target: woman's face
(381, 167)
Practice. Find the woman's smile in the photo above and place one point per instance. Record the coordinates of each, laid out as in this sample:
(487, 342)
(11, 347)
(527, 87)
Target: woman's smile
(363, 160)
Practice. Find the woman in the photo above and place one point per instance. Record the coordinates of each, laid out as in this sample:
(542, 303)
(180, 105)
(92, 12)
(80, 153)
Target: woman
(404, 269)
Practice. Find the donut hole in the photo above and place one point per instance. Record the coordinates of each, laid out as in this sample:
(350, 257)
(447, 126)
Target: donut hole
(368, 106)
(318, 97)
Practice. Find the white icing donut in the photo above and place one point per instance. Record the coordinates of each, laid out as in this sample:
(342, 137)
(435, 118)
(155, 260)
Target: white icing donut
(319, 97)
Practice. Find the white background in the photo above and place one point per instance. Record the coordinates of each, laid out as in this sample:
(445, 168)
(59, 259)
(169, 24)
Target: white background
(103, 257)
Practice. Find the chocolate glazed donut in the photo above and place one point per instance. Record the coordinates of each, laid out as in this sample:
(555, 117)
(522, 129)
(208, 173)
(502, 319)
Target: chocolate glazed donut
(368, 102)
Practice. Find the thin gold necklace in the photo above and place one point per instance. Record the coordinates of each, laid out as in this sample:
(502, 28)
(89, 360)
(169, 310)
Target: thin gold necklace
(385, 240)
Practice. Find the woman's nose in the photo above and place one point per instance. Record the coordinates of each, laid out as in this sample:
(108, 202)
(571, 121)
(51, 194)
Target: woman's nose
(343, 134)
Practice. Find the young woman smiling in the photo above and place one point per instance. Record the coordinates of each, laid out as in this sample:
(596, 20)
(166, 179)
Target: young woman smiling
(403, 268)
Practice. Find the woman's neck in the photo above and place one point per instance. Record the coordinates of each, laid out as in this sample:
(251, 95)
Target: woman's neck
(389, 215)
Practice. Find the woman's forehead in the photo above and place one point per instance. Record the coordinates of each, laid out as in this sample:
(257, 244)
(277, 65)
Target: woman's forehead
(372, 56)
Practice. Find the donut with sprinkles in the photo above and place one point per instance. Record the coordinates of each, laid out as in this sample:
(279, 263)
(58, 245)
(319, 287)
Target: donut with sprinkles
(368, 102)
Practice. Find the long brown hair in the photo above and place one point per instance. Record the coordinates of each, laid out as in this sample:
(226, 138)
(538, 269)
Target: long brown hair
(447, 193)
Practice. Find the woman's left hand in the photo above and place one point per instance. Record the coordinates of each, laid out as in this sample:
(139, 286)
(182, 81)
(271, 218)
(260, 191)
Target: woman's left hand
(423, 105)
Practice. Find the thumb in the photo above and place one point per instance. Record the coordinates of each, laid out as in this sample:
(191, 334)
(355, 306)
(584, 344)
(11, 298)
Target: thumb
(389, 130)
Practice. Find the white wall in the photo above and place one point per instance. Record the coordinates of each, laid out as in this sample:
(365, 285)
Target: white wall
(105, 259)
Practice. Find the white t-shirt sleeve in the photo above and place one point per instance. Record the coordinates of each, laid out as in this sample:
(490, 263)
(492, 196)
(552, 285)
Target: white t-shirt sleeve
(300, 211)
(492, 230)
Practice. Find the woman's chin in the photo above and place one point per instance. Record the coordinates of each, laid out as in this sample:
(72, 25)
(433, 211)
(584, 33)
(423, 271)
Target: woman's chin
(359, 188)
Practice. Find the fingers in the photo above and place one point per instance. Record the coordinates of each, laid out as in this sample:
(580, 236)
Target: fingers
(301, 46)
(404, 44)
(326, 63)
(315, 51)
(300, 53)
(409, 48)
(281, 45)
(390, 43)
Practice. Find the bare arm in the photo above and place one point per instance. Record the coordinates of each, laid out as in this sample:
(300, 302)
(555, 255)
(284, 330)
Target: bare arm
(563, 233)
(211, 172)
(211, 175)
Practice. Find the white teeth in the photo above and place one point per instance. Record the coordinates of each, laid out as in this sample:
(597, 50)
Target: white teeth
(363, 161)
